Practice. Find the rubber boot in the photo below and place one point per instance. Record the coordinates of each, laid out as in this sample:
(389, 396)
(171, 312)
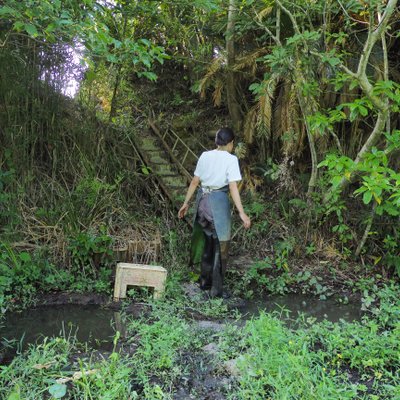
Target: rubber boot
(217, 278)
(224, 248)
(219, 269)
(207, 262)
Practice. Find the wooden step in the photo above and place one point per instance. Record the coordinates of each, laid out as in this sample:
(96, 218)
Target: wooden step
(164, 174)
(157, 159)
(178, 194)
(148, 144)
(156, 155)
(176, 180)
(164, 170)
(179, 190)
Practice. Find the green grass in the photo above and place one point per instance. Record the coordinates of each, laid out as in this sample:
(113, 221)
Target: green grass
(41, 370)
(322, 361)
(318, 360)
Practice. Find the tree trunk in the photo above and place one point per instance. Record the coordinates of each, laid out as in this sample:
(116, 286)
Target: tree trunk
(233, 104)
(372, 139)
(113, 108)
(306, 111)
(381, 103)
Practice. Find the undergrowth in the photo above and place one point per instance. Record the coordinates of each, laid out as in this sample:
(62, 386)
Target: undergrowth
(311, 360)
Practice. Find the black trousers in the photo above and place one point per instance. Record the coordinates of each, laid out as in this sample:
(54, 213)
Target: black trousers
(215, 255)
(213, 263)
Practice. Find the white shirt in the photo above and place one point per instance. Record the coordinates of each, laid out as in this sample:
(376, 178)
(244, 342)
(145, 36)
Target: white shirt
(216, 168)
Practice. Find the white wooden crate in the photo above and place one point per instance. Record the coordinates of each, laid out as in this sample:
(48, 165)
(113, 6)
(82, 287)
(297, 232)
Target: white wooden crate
(139, 275)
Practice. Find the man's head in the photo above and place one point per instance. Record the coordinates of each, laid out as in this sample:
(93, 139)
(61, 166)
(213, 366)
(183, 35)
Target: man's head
(224, 136)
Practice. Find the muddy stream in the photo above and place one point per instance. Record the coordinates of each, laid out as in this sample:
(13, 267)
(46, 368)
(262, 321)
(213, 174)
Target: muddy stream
(96, 325)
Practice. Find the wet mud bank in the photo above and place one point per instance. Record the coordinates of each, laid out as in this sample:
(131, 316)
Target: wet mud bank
(192, 347)
(94, 318)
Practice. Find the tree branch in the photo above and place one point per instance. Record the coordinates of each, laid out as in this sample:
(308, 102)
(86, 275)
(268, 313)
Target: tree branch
(366, 232)
(373, 137)
(274, 37)
(365, 84)
(385, 67)
(278, 25)
(290, 15)
(373, 36)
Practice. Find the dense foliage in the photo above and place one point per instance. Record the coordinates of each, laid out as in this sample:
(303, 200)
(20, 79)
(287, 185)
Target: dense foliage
(311, 87)
(166, 354)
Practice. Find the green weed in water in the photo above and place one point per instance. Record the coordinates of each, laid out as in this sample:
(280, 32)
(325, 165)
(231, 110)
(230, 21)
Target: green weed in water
(46, 369)
(321, 360)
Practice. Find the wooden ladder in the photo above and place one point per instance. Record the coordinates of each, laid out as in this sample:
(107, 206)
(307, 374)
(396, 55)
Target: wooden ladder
(169, 158)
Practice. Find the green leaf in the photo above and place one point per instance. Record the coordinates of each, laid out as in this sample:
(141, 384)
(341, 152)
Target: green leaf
(90, 76)
(24, 256)
(363, 111)
(145, 41)
(361, 189)
(18, 26)
(323, 164)
(117, 43)
(256, 88)
(145, 170)
(149, 75)
(58, 390)
(50, 28)
(353, 114)
(393, 211)
(305, 36)
(31, 30)
(367, 197)
(111, 58)
(379, 210)
(14, 396)
(65, 22)
(6, 10)
(336, 181)
(353, 84)
(146, 62)
(333, 61)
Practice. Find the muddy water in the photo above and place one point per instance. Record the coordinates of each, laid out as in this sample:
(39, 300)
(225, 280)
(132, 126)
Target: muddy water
(96, 326)
(292, 305)
(90, 324)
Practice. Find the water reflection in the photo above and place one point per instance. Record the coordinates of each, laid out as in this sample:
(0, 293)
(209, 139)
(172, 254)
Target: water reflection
(292, 305)
(90, 324)
(97, 326)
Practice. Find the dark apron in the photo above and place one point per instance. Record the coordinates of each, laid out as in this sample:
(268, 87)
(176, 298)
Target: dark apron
(220, 219)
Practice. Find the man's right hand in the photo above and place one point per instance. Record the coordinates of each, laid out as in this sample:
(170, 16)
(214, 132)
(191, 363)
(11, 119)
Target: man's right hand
(245, 219)
(183, 210)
